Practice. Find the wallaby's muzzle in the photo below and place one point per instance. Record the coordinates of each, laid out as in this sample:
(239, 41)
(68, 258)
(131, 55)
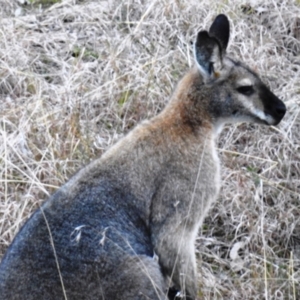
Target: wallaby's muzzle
(273, 106)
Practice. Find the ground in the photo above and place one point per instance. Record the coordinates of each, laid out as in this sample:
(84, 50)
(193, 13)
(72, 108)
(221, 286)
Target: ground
(78, 75)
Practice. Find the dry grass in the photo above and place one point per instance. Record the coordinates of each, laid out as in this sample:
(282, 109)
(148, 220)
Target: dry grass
(77, 75)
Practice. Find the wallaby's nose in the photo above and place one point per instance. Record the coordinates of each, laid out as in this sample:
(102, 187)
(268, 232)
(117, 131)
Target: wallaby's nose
(280, 109)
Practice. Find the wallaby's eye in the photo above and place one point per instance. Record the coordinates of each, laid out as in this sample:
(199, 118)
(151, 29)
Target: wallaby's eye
(246, 90)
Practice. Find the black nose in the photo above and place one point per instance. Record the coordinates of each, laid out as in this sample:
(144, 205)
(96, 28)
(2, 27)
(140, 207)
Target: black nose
(280, 109)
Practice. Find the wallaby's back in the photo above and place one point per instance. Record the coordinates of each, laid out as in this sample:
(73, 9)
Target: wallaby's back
(89, 241)
(124, 227)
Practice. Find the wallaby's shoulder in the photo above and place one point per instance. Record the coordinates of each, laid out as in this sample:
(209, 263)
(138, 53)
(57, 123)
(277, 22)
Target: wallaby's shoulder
(178, 131)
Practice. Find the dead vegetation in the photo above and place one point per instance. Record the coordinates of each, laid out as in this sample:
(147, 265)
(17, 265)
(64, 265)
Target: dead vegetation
(75, 76)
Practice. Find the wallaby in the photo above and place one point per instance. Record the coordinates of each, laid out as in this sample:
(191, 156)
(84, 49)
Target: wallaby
(124, 226)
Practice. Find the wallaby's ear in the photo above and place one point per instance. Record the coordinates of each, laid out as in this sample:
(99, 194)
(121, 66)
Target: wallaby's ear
(210, 48)
(220, 30)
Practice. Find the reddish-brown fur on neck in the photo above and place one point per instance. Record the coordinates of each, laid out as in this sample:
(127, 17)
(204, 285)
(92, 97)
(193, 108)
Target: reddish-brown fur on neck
(186, 114)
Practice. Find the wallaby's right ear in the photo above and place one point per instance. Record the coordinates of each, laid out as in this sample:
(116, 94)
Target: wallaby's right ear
(210, 48)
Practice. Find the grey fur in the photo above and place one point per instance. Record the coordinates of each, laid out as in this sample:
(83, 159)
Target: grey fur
(127, 222)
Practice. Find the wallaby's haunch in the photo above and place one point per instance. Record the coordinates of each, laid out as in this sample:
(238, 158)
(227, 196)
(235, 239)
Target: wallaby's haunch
(126, 224)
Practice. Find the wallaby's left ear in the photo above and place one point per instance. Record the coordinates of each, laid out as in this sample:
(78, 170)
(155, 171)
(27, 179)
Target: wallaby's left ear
(220, 30)
(211, 47)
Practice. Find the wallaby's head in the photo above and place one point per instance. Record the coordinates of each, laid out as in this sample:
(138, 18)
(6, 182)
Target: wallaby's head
(237, 93)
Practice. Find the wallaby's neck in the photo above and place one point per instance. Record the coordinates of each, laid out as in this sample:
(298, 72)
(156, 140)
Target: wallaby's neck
(188, 108)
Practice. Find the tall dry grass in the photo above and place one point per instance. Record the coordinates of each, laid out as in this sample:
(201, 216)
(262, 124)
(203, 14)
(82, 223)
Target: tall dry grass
(77, 75)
